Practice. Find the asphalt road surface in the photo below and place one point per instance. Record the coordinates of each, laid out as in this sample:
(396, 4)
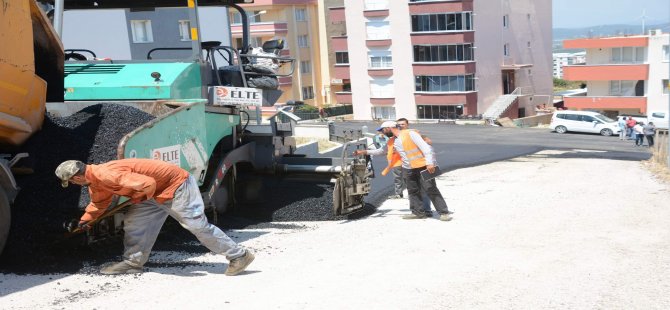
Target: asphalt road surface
(460, 146)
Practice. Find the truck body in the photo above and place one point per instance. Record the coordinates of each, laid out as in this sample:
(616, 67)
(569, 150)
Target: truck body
(202, 104)
(31, 56)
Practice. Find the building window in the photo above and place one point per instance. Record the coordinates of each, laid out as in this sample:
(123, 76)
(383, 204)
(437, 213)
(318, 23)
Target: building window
(666, 90)
(185, 30)
(346, 86)
(666, 52)
(381, 88)
(625, 54)
(300, 15)
(383, 113)
(341, 58)
(442, 22)
(378, 30)
(439, 111)
(436, 83)
(505, 21)
(141, 30)
(506, 51)
(252, 18)
(376, 4)
(380, 59)
(307, 93)
(303, 41)
(305, 66)
(622, 88)
(438, 53)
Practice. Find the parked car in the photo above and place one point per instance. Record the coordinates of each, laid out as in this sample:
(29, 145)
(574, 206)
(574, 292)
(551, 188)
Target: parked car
(583, 121)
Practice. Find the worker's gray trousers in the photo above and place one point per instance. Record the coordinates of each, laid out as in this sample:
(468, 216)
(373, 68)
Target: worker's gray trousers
(398, 181)
(144, 220)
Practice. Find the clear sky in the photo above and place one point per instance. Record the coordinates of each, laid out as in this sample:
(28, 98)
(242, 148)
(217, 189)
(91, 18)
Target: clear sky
(586, 13)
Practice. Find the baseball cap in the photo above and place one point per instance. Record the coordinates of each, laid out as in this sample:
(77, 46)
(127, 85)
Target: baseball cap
(67, 170)
(389, 124)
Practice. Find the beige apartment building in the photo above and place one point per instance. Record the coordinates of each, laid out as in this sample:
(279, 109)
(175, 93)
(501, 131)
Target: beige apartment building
(295, 21)
(438, 59)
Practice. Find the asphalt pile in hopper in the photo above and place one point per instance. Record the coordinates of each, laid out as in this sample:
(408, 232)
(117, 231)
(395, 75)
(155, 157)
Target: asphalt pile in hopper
(36, 242)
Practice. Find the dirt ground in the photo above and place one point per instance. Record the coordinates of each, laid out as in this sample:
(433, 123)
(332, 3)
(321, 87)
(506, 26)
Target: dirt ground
(540, 231)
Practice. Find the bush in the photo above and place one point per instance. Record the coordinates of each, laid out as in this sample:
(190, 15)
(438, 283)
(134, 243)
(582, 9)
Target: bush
(306, 108)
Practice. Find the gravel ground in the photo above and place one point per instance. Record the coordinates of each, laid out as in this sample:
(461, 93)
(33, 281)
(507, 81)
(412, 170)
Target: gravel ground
(540, 231)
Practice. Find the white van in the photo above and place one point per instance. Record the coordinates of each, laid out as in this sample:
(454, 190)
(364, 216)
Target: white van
(583, 121)
(660, 119)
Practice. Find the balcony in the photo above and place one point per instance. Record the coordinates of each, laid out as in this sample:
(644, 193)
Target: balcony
(606, 42)
(336, 15)
(380, 72)
(285, 80)
(342, 72)
(421, 38)
(343, 97)
(261, 29)
(279, 2)
(446, 98)
(441, 68)
(609, 102)
(376, 12)
(382, 101)
(339, 43)
(606, 72)
(430, 7)
(378, 42)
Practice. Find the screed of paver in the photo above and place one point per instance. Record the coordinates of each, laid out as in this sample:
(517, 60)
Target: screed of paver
(530, 232)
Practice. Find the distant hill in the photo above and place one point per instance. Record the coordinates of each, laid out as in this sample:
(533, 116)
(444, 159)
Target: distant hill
(561, 34)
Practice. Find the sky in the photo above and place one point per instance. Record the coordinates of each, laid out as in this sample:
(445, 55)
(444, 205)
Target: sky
(586, 13)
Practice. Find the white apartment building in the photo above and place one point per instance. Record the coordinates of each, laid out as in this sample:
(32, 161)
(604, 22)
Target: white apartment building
(441, 59)
(566, 59)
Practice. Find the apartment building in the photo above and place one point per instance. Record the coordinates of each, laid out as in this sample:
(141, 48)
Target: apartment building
(565, 59)
(441, 59)
(295, 21)
(626, 74)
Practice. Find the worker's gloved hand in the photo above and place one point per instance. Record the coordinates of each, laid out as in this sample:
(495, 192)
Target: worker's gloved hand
(83, 225)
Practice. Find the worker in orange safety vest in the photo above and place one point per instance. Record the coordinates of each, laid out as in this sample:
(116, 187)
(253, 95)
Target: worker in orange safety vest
(415, 155)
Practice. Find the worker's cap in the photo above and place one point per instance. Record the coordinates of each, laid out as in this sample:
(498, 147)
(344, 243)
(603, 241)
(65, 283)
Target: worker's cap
(67, 170)
(389, 124)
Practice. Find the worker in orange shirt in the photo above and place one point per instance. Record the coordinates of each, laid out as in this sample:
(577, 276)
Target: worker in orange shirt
(156, 189)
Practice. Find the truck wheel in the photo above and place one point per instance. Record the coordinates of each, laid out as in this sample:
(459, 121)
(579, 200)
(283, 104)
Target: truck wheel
(5, 219)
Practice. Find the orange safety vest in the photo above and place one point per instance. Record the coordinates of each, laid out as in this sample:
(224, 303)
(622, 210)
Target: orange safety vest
(414, 154)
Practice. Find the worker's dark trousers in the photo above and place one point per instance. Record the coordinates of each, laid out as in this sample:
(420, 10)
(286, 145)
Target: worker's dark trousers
(144, 220)
(415, 186)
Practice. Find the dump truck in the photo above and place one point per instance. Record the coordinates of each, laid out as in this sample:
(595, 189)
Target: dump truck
(31, 56)
(206, 106)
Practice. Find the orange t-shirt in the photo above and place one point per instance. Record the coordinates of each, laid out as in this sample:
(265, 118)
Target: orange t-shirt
(137, 179)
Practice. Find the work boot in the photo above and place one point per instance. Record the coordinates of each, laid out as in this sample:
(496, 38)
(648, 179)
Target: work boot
(445, 217)
(120, 268)
(413, 217)
(238, 265)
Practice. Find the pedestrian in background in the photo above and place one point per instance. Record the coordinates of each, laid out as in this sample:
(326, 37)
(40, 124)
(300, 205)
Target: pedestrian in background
(630, 123)
(622, 128)
(156, 189)
(639, 134)
(649, 132)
